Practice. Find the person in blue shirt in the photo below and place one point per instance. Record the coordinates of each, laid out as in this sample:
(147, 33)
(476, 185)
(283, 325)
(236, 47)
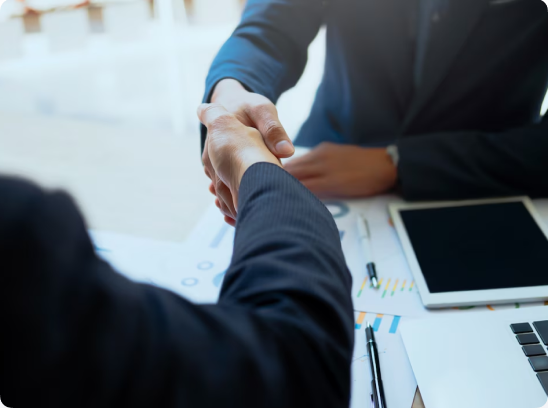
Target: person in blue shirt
(440, 99)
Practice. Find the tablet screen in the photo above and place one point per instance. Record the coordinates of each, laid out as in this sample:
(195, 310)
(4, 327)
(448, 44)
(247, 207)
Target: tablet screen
(478, 247)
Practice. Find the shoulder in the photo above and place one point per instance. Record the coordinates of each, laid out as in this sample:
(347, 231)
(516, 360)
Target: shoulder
(24, 205)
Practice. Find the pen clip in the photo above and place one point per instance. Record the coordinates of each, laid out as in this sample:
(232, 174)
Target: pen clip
(372, 401)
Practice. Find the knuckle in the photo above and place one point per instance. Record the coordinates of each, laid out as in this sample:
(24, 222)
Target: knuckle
(263, 105)
(246, 106)
(259, 106)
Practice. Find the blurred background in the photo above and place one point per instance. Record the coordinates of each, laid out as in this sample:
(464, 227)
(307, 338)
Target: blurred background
(99, 97)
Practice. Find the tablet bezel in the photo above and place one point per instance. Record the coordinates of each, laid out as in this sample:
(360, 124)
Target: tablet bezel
(465, 298)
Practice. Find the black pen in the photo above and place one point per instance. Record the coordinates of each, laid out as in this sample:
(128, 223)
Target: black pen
(365, 240)
(377, 394)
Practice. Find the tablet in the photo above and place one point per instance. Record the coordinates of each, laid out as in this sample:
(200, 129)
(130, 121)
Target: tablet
(474, 252)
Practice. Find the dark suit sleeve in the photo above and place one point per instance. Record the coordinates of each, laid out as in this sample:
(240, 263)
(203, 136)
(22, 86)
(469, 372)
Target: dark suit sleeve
(267, 52)
(77, 334)
(474, 164)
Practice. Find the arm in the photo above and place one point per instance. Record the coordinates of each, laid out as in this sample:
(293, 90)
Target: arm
(267, 52)
(448, 166)
(265, 56)
(76, 334)
(474, 164)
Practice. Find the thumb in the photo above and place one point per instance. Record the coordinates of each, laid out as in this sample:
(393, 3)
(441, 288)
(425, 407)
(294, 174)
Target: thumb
(267, 122)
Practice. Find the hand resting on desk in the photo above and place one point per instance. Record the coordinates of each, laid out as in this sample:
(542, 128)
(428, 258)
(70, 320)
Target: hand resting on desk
(344, 171)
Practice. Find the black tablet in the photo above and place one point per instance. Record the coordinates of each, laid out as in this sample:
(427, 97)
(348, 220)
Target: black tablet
(475, 252)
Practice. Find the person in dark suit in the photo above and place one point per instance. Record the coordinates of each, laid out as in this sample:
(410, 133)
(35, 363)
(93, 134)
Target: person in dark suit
(76, 334)
(453, 87)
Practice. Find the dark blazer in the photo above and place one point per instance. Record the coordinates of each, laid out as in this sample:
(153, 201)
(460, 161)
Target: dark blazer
(471, 128)
(76, 334)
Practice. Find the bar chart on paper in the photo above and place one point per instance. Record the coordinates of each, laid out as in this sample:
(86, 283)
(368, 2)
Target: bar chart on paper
(397, 293)
(393, 295)
(392, 287)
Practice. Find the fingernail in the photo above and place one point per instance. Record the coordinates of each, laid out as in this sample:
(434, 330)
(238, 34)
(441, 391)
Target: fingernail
(284, 147)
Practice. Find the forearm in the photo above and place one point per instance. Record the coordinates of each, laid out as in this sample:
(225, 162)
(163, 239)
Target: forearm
(473, 164)
(289, 268)
(267, 52)
(82, 335)
(279, 220)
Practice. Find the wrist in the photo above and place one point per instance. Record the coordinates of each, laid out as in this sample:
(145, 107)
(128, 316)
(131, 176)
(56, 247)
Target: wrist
(247, 162)
(226, 88)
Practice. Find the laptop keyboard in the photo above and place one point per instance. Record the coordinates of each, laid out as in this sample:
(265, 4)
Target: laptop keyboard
(533, 339)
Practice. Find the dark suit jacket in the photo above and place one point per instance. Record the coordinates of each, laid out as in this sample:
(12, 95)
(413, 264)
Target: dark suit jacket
(76, 334)
(472, 128)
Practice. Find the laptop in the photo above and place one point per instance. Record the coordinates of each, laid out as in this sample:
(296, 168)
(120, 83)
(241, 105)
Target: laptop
(481, 359)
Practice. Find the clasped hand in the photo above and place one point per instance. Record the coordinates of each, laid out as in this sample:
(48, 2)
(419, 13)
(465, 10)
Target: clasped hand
(230, 149)
(246, 119)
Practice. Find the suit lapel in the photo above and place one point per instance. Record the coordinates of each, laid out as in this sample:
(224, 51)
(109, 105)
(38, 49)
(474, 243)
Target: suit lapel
(446, 39)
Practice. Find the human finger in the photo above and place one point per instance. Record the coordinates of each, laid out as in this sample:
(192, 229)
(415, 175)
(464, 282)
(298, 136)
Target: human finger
(230, 221)
(266, 120)
(220, 200)
(225, 197)
(221, 205)
(303, 171)
(321, 187)
(206, 161)
(306, 159)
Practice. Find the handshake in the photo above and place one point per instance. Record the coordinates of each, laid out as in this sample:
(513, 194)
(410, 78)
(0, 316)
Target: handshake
(244, 129)
(234, 144)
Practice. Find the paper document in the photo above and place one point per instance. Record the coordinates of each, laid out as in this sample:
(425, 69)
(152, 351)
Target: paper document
(158, 263)
(197, 275)
(397, 375)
